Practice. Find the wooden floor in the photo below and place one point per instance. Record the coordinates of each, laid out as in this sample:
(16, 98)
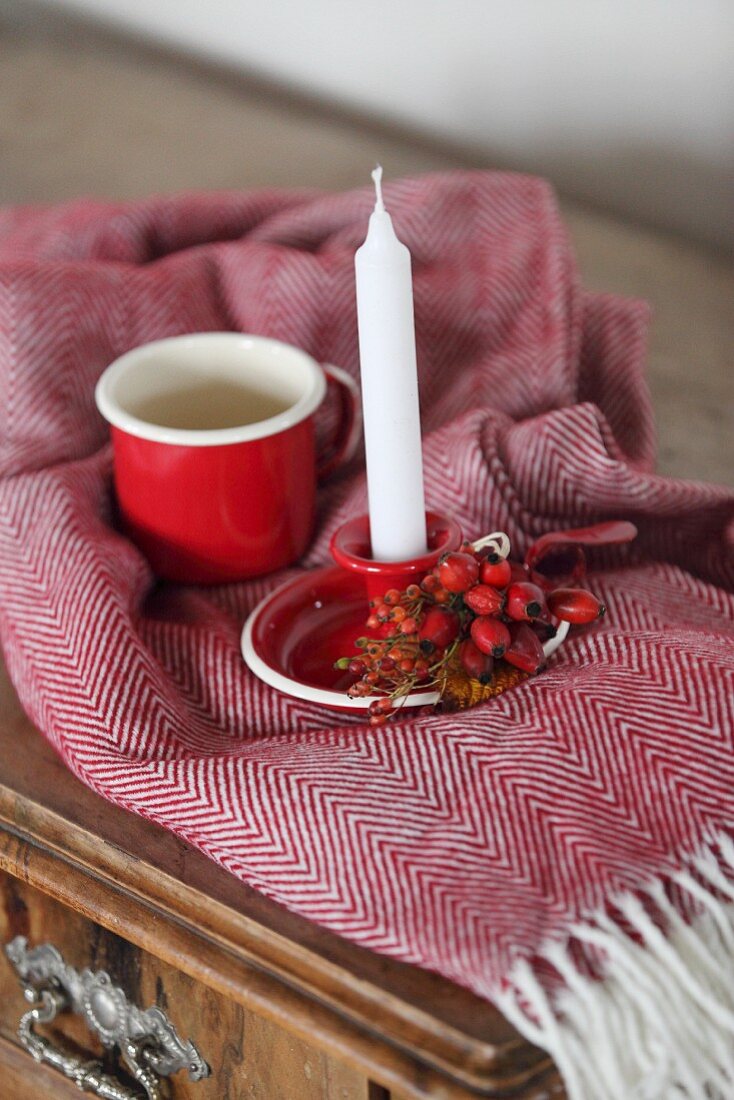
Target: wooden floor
(86, 113)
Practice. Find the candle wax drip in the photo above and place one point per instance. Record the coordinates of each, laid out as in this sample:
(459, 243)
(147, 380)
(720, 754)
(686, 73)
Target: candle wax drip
(377, 177)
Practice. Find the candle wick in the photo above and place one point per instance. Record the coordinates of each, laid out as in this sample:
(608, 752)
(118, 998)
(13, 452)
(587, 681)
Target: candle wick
(377, 177)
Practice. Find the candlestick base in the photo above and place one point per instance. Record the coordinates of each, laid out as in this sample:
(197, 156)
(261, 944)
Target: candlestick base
(293, 637)
(350, 548)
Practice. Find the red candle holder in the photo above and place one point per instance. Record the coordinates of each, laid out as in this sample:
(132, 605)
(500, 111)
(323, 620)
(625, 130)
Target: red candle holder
(350, 548)
(293, 639)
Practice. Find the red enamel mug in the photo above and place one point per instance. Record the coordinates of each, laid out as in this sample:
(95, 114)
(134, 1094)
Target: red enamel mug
(215, 461)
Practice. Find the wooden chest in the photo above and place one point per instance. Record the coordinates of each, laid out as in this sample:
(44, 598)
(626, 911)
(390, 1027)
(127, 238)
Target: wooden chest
(278, 1008)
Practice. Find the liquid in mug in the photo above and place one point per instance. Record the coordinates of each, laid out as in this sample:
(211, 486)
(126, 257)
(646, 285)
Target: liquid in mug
(208, 406)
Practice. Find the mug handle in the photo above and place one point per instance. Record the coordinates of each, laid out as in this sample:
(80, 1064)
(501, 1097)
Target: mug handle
(349, 430)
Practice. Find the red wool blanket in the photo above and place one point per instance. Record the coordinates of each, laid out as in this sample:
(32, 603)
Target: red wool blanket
(590, 804)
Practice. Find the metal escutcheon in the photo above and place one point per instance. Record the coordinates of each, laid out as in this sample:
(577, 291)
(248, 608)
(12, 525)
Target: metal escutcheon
(146, 1040)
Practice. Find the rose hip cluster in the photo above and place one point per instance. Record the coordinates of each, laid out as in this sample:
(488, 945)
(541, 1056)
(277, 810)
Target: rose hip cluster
(473, 609)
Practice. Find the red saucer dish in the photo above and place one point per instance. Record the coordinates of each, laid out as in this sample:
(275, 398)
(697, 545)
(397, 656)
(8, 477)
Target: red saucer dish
(293, 637)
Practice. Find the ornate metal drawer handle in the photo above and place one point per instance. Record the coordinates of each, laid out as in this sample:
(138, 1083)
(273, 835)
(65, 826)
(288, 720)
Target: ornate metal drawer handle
(147, 1040)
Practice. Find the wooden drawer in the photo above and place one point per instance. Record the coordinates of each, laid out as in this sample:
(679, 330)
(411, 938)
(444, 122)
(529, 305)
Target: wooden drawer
(250, 1058)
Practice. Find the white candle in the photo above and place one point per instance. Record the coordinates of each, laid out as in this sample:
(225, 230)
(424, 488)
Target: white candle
(392, 429)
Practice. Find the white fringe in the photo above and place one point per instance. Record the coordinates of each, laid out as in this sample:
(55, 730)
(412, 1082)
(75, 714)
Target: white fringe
(660, 1025)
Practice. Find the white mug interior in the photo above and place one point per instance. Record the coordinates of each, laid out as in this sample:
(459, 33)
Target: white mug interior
(189, 371)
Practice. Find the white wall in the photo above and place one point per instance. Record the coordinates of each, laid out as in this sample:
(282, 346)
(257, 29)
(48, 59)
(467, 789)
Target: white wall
(627, 102)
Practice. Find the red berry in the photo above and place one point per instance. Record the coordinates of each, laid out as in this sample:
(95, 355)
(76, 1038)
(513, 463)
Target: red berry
(497, 573)
(373, 622)
(398, 614)
(408, 626)
(383, 612)
(440, 626)
(484, 600)
(490, 635)
(406, 665)
(413, 592)
(359, 689)
(458, 571)
(575, 605)
(357, 667)
(430, 583)
(525, 601)
(391, 597)
(476, 664)
(525, 650)
(518, 572)
(381, 706)
(387, 664)
(442, 595)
